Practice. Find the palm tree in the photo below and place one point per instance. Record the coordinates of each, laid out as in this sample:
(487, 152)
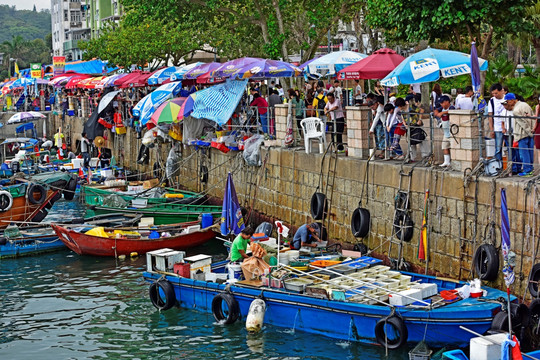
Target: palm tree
(17, 48)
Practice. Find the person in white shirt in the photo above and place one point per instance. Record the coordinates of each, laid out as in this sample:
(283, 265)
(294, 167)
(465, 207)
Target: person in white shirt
(358, 93)
(335, 115)
(464, 102)
(496, 118)
(336, 89)
(379, 120)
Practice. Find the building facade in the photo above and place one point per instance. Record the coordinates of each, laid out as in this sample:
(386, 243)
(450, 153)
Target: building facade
(68, 21)
(100, 13)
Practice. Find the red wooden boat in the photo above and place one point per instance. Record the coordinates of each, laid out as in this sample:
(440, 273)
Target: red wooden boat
(183, 236)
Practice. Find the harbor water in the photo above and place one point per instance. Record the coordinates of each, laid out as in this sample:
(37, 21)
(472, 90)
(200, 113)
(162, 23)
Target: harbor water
(65, 306)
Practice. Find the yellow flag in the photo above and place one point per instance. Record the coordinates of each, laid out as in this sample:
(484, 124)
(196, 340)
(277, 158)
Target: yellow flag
(17, 70)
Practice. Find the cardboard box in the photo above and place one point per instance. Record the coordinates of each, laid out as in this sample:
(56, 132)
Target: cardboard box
(148, 184)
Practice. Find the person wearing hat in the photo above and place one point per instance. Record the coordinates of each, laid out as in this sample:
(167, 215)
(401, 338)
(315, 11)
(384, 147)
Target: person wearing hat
(523, 130)
(306, 235)
(442, 113)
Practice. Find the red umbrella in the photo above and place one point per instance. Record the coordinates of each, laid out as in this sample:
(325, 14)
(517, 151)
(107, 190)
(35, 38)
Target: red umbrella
(376, 66)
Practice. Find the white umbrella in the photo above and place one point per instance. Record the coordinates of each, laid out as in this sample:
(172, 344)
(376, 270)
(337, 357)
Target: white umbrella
(331, 63)
(106, 100)
(23, 116)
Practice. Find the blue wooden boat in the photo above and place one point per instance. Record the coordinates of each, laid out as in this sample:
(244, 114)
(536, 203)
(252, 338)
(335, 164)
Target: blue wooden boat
(344, 320)
(30, 243)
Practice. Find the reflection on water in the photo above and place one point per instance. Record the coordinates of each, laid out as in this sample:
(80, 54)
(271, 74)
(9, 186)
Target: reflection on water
(61, 305)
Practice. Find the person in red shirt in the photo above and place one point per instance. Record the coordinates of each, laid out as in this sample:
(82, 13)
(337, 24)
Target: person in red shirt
(262, 109)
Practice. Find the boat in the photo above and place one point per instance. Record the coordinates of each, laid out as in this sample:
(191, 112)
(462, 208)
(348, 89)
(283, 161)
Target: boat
(349, 313)
(36, 239)
(115, 242)
(28, 198)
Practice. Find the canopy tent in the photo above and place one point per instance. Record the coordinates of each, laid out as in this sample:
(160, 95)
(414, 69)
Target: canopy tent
(179, 74)
(429, 65)
(375, 66)
(332, 63)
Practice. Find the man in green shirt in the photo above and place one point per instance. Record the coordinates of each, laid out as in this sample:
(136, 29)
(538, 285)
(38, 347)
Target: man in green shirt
(239, 245)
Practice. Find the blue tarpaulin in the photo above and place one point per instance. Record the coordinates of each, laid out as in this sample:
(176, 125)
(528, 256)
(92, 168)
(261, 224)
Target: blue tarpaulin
(217, 103)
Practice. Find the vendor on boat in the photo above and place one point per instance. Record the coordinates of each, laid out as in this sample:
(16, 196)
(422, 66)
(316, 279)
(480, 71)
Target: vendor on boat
(239, 245)
(306, 235)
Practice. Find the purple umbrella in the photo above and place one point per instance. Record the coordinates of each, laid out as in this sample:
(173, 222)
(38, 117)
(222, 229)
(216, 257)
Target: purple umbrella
(200, 70)
(230, 69)
(268, 68)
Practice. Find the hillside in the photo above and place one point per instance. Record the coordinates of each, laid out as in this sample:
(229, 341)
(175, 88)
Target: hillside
(26, 23)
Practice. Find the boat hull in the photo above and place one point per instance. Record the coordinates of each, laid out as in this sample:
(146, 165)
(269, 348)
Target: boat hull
(31, 246)
(161, 216)
(84, 244)
(342, 320)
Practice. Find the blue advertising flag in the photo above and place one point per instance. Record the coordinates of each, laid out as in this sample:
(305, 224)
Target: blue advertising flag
(232, 221)
(475, 68)
(505, 240)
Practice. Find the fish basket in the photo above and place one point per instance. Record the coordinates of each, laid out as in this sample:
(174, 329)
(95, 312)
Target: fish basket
(420, 352)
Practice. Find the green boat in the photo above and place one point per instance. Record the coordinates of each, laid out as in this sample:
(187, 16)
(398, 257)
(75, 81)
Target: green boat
(173, 210)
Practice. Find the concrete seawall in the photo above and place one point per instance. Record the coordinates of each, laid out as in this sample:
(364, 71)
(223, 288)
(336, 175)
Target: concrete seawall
(282, 188)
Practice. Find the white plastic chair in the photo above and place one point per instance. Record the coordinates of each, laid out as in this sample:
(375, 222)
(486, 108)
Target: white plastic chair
(313, 128)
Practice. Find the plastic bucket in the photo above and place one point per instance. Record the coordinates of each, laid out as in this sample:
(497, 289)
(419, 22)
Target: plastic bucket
(206, 220)
(235, 272)
(71, 112)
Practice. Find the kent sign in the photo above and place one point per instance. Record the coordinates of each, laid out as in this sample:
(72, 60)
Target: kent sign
(456, 70)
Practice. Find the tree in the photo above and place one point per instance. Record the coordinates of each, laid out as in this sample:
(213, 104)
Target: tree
(533, 17)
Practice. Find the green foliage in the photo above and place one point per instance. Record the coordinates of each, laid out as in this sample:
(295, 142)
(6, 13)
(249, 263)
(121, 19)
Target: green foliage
(25, 23)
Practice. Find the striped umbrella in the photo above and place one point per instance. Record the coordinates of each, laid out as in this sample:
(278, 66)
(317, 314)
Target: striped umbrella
(167, 113)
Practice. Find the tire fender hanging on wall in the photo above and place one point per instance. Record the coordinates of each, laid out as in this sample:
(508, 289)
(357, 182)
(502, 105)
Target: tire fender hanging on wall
(486, 262)
(360, 222)
(319, 205)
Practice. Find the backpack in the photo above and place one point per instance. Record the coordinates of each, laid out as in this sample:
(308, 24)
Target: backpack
(438, 101)
(321, 103)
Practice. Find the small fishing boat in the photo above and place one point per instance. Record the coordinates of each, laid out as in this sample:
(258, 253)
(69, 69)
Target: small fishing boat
(352, 307)
(114, 242)
(36, 239)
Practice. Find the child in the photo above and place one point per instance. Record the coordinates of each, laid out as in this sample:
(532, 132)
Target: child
(394, 130)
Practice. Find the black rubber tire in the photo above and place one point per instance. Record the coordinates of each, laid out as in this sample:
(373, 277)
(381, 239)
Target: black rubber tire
(144, 155)
(399, 326)
(360, 221)
(486, 262)
(168, 291)
(3, 241)
(361, 247)
(319, 206)
(500, 321)
(54, 199)
(521, 316)
(69, 191)
(408, 225)
(32, 189)
(41, 214)
(157, 171)
(217, 308)
(534, 308)
(534, 276)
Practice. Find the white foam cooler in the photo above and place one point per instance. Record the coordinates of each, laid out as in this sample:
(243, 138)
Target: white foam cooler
(163, 259)
(483, 349)
(428, 290)
(199, 262)
(405, 297)
(77, 163)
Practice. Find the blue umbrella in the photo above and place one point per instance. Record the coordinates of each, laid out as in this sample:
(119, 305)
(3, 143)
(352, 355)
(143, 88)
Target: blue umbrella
(161, 75)
(232, 221)
(429, 65)
(180, 71)
(148, 104)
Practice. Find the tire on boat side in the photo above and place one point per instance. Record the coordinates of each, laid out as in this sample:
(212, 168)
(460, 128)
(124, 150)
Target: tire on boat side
(69, 191)
(6, 200)
(319, 205)
(54, 199)
(500, 321)
(167, 290)
(41, 214)
(360, 222)
(233, 308)
(486, 262)
(399, 325)
(534, 277)
(32, 189)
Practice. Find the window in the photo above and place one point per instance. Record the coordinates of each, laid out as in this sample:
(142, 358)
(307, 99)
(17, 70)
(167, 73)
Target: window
(66, 35)
(66, 17)
(75, 16)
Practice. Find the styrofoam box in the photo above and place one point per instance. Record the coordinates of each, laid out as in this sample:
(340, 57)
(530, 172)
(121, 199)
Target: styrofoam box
(94, 162)
(483, 349)
(198, 261)
(428, 289)
(135, 188)
(404, 297)
(204, 269)
(77, 163)
(139, 203)
(163, 259)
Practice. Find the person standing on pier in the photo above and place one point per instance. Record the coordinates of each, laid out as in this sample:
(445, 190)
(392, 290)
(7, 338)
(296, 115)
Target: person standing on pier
(442, 113)
(334, 112)
(85, 147)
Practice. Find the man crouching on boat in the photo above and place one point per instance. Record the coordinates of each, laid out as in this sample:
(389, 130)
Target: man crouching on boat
(306, 235)
(239, 245)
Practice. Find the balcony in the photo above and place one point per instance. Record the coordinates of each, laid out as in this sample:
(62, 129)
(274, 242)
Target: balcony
(75, 24)
(75, 6)
(70, 45)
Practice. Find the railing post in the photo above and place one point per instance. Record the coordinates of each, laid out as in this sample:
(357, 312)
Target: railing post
(465, 149)
(357, 119)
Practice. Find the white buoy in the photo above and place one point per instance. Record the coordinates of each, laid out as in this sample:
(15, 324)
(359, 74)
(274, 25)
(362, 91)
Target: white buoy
(255, 317)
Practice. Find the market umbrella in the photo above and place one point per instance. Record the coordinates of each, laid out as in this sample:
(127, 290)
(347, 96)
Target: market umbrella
(331, 63)
(61, 80)
(167, 113)
(232, 221)
(230, 69)
(23, 116)
(106, 100)
(187, 107)
(148, 105)
(268, 68)
(179, 74)
(200, 70)
(303, 66)
(375, 66)
(161, 75)
(429, 65)
(111, 79)
(75, 80)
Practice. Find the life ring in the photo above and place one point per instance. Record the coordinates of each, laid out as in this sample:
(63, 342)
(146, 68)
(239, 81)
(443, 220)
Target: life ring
(403, 220)
(400, 330)
(69, 190)
(6, 200)
(41, 214)
(228, 314)
(162, 294)
(360, 221)
(534, 278)
(319, 206)
(486, 262)
(32, 189)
